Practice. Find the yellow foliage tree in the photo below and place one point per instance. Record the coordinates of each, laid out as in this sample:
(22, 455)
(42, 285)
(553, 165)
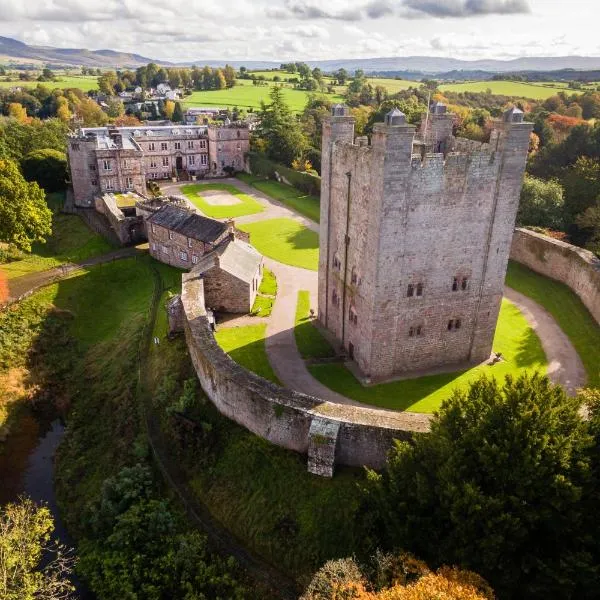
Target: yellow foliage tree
(169, 108)
(62, 109)
(18, 112)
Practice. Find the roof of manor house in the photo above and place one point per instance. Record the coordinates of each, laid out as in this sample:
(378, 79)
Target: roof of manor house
(188, 223)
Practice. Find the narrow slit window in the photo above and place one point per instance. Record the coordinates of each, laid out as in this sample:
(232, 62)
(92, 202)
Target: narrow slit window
(419, 289)
(464, 283)
(411, 332)
(457, 324)
(410, 292)
(450, 324)
(455, 285)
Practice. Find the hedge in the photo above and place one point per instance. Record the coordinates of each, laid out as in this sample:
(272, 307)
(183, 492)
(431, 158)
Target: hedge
(262, 166)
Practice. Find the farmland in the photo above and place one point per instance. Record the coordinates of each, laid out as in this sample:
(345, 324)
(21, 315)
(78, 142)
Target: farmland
(84, 82)
(535, 91)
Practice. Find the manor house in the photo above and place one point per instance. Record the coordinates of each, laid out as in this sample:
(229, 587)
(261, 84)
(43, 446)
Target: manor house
(416, 229)
(121, 159)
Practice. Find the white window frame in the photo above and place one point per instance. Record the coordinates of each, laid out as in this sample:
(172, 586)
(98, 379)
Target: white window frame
(170, 235)
(164, 146)
(129, 183)
(190, 241)
(151, 146)
(203, 159)
(165, 249)
(107, 165)
(165, 161)
(191, 159)
(194, 259)
(153, 163)
(177, 145)
(190, 144)
(183, 256)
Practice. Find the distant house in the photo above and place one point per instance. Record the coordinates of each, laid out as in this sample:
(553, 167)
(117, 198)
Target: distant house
(192, 115)
(163, 88)
(180, 237)
(232, 273)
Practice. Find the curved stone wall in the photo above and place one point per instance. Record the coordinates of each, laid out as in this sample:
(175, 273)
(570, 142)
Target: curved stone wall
(329, 433)
(573, 266)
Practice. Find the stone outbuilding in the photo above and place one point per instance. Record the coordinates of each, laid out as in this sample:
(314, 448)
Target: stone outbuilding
(181, 237)
(232, 273)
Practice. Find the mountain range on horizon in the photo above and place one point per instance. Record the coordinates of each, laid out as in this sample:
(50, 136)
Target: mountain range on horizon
(12, 50)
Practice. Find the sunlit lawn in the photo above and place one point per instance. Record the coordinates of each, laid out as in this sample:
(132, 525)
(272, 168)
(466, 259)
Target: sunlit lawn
(520, 347)
(246, 205)
(286, 241)
(310, 342)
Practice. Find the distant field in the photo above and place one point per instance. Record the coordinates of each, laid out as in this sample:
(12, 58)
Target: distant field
(245, 95)
(84, 82)
(393, 86)
(535, 91)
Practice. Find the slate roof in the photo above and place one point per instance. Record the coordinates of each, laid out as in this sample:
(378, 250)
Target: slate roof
(188, 223)
(233, 256)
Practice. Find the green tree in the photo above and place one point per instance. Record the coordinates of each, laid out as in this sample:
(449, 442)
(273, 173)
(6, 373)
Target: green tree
(177, 113)
(24, 547)
(47, 167)
(107, 82)
(497, 487)
(541, 203)
(280, 130)
(24, 215)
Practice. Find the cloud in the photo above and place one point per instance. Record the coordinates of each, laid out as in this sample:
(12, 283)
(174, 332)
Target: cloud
(462, 8)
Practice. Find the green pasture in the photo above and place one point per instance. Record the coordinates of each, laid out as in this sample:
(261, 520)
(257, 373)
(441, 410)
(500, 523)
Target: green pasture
(285, 241)
(83, 82)
(246, 206)
(519, 89)
(521, 351)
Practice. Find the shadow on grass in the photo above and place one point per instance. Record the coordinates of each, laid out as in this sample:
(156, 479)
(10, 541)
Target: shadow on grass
(304, 239)
(527, 354)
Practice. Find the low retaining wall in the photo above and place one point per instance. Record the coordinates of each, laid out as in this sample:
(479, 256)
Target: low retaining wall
(329, 433)
(573, 266)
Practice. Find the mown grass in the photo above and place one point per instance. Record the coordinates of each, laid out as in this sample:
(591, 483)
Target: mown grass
(85, 83)
(506, 88)
(285, 241)
(567, 309)
(310, 342)
(246, 206)
(305, 204)
(268, 285)
(71, 241)
(521, 351)
(246, 345)
(263, 306)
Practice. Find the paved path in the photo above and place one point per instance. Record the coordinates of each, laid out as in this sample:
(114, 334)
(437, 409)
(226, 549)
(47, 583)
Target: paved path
(18, 287)
(564, 365)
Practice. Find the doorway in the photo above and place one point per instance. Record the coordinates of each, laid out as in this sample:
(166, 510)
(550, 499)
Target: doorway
(351, 351)
(179, 163)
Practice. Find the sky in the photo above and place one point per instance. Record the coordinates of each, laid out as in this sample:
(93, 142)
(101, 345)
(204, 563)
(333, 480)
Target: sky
(282, 30)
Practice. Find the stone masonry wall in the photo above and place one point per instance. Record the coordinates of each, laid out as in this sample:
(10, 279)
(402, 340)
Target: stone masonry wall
(573, 266)
(226, 293)
(282, 416)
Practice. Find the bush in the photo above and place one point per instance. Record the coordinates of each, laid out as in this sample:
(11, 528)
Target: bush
(47, 167)
(262, 166)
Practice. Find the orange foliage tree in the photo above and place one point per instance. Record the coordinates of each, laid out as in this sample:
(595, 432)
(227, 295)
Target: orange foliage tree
(3, 288)
(562, 125)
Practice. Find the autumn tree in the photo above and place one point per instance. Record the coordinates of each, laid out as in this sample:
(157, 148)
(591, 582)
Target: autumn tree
(17, 112)
(169, 109)
(24, 215)
(3, 288)
(229, 74)
(497, 486)
(31, 566)
(219, 79)
(107, 82)
(115, 108)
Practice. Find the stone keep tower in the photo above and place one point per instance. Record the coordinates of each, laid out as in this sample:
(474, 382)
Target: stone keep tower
(415, 238)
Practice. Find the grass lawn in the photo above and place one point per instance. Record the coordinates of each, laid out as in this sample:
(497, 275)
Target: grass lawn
(567, 309)
(306, 205)
(83, 82)
(246, 206)
(245, 95)
(126, 200)
(286, 241)
(246, 345)
(506, 88)
(518, 343)
(263, 306)
(268, 285)
(310, 342)
(71, 241)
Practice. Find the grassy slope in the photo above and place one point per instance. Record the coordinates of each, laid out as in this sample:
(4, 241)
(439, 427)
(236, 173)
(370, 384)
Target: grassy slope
(246, 345)
(247, 205)
(505, 88)
(268, 285)
(310, 342)
(518, 343)
(306, 205)
(286, 241)
(71, 241)
(568, 310)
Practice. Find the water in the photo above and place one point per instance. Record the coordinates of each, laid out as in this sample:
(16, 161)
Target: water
(27, 469)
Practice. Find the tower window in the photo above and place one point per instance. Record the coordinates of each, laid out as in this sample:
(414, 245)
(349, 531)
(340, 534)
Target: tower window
(336, 263)
(450, 324)
(410, 292)
(411, 332)
(352, 316)
(457, 324)
(334, 298)
(415, 331)
(464, 283)
(455, 285)
(419, 289)
(454, 324)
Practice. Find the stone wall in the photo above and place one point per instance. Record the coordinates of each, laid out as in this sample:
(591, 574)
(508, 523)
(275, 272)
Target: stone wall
(573, 266)
(347, 435)
(226, 293)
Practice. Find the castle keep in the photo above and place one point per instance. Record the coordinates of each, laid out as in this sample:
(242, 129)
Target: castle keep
(416, 231)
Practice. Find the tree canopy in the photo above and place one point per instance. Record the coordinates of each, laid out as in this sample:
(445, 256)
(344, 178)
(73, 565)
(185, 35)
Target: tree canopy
(47, 167)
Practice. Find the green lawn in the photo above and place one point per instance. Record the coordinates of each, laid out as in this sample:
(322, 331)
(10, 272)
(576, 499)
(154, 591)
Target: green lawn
(263, 306)
(518, 343)
(506, 88)
(306, 205)
(126, 200)
(245, 95)
(568, 310)
(285, 241)
(246, 345)
(71, 241)
(268, 285)
(310, 342)
(246, 206)
(83, 82)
